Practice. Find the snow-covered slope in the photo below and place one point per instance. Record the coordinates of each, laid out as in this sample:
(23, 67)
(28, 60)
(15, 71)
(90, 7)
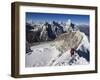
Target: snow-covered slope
(41, 55)
(57, 53)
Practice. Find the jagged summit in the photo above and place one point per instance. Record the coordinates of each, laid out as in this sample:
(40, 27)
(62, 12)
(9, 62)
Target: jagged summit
(69, 22)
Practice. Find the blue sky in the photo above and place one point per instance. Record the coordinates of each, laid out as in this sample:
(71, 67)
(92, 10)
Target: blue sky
(76, 19)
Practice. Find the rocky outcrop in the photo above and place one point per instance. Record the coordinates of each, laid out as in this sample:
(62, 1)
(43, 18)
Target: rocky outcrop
(67, 41)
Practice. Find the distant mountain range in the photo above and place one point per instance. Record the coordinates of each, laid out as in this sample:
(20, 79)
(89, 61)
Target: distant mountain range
(49, 31)
(45, 32)
(85, 29)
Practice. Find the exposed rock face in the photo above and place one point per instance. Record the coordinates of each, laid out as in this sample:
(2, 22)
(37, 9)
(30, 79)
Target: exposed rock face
(67, 41)
(46, 31)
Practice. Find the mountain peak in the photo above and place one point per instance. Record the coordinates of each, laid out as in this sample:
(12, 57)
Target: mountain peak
(69, 22)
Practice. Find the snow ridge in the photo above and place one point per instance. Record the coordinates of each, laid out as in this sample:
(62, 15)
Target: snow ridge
(57, 53)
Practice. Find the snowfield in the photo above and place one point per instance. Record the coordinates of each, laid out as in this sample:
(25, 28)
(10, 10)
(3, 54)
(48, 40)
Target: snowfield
(41, 55)
(57, 53)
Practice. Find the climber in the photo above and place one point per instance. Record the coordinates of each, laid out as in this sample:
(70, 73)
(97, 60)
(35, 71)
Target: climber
(72, 51)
